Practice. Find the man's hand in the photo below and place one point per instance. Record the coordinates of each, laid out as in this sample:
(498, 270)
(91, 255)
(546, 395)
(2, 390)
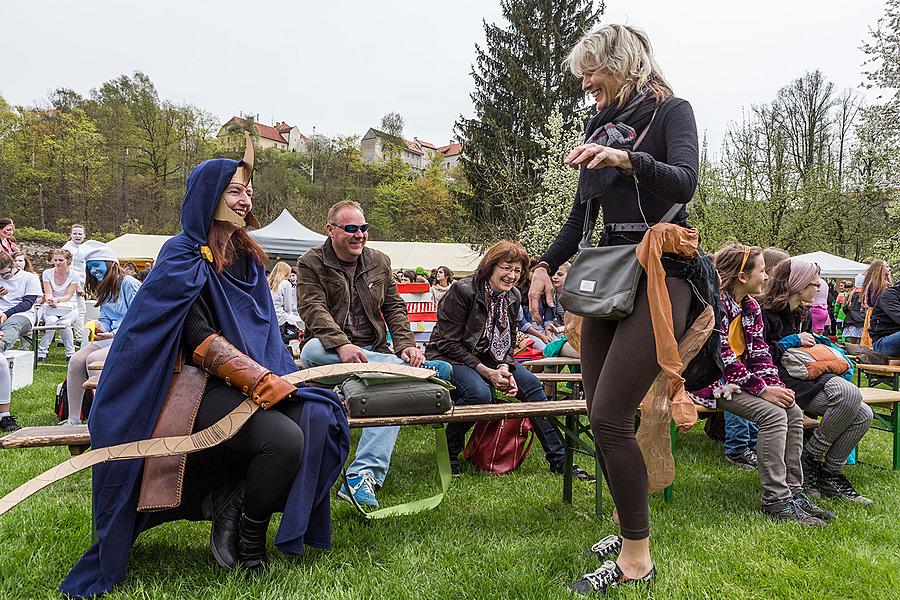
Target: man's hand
(779, 396)
(807, 340)
(3, 318)
(351, 353)
(413, 356)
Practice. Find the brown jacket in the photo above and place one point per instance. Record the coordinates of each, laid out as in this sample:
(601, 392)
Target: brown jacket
(323, 298)
(461, 317)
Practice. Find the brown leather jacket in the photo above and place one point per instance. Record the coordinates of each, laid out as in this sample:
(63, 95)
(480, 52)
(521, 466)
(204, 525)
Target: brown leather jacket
(323, 298)
(461, 315)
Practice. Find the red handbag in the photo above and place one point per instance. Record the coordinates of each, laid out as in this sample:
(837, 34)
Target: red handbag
(499, 446)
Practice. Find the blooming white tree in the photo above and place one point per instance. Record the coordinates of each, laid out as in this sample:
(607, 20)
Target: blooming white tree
(558, 181)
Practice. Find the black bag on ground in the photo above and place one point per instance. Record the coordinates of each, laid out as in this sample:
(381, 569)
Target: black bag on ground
(393, 397)
(61, 408)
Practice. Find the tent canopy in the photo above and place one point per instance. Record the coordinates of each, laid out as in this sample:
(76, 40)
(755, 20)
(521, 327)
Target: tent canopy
(286, 237)
(137, 247)
(835, 266)
(459, 258)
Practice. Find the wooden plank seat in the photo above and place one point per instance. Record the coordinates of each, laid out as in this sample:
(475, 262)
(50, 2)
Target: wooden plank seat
(552, 361)
(888, 375)
(564, 414)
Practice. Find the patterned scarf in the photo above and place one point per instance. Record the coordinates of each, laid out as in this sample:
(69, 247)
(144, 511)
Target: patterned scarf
(616, 127)
(496, 326)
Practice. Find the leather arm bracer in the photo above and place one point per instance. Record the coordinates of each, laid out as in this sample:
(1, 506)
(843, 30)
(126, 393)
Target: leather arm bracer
(217, 356)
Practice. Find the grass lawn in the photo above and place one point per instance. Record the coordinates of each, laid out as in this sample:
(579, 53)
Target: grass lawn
(493, 537)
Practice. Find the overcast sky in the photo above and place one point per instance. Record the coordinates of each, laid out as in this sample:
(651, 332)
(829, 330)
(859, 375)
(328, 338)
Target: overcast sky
(339, 65)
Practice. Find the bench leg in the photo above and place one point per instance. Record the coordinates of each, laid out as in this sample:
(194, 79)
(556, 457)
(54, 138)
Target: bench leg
(895, 431)
(568, 445)
(669, 492)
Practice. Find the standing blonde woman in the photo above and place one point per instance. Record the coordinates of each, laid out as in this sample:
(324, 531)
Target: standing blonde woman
(876, 280)
(635, 189)
(283, 294)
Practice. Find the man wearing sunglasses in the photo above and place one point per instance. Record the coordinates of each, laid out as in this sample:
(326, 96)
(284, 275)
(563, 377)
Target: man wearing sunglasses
(349, 303)
(18, 292)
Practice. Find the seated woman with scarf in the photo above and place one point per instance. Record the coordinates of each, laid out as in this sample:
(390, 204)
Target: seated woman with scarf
(845, 418)
(475, 332)
(207, 302)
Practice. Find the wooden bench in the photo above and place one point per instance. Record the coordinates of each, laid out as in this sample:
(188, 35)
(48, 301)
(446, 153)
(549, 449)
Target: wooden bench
(37, 332)
(874, 397)
(564, 414)
(885, 374)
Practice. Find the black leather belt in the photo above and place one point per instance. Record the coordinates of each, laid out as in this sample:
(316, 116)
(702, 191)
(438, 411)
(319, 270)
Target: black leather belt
(624, 227)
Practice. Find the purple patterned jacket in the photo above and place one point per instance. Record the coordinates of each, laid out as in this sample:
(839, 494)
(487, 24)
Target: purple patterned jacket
(752, 371)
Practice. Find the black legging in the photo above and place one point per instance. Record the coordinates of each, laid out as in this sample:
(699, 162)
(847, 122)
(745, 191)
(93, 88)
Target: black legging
(272, 438)
(618, 364)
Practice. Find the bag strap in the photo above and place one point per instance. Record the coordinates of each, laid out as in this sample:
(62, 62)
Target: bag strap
(588, 229)
(442, 455)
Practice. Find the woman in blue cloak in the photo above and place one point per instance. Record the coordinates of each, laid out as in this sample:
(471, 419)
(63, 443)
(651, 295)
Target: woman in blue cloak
(207, 300)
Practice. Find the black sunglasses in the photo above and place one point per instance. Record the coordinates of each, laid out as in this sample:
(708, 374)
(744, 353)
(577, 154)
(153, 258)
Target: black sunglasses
(351, 229)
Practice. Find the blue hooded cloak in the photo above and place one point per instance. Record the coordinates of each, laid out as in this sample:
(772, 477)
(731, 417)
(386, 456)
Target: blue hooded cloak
(136, 377)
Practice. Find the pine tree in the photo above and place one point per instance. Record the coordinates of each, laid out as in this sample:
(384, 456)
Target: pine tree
(520, 80)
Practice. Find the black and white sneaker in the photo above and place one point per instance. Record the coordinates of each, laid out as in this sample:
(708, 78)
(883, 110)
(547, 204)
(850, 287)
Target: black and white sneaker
(836, 485)
(611, 544)
(817, 511)
(811, 470)
(609, 575)
(8, 424)
(745, 460)
(789, 510)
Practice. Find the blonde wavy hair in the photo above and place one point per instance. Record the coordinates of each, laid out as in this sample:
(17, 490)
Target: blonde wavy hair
(280, 272)
(624, 51)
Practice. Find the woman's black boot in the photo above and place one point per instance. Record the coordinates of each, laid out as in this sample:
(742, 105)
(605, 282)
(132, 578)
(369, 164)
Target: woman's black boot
(223, 507)
(252, 544)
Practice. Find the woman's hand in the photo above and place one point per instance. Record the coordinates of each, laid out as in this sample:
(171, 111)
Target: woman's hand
(595, 156)
(541, 286)
(102, 335)
(508, 386)
(807, 340)
(779, 396)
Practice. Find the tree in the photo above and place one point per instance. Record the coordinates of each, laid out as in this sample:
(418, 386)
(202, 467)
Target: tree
(392, 124)
(520, 79)
(558, 185)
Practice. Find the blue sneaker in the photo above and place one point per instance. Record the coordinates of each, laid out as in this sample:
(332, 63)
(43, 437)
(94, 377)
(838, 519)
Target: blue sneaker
(362, 487)
(444, 370)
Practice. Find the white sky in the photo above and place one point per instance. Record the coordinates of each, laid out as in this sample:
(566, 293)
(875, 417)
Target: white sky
(340, 65)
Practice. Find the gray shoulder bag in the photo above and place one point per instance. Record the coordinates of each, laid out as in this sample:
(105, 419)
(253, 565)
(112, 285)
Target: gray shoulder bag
(603, 281)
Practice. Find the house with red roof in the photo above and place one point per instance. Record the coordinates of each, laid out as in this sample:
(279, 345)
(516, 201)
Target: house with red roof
(450, 155)
(416, 153)
(282, 136)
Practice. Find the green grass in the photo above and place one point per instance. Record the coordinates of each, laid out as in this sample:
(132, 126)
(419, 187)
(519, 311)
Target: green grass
(493, 537)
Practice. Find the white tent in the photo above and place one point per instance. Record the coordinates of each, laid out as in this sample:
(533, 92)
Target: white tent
(138, 247)
(286, 237)
(835, 266)
(459, 258)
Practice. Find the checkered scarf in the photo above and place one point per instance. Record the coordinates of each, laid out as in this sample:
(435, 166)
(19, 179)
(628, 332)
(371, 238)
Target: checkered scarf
(617, 128)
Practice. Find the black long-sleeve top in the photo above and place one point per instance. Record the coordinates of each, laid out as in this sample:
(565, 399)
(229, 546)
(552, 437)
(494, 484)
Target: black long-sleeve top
(666, 166)
(886, 314)
(201, 321)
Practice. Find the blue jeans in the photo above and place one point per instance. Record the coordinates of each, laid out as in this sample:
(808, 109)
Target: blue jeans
(888, 345)
(740, 434)
(376, 444)
(471, 388)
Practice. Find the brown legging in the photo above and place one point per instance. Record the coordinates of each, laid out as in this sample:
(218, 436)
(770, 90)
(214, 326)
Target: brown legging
(618, 363)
